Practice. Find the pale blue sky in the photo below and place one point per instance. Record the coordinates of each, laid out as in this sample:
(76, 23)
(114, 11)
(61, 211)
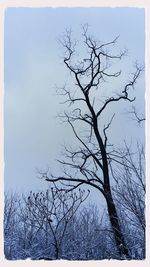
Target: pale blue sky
(33, 65)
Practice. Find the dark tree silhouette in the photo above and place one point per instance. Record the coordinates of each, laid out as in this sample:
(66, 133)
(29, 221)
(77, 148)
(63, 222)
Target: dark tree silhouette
(89, 164)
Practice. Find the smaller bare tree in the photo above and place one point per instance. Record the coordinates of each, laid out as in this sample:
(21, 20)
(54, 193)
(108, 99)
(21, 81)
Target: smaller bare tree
(52, 212)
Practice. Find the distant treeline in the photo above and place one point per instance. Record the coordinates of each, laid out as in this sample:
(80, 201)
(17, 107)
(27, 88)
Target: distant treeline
(54, 225)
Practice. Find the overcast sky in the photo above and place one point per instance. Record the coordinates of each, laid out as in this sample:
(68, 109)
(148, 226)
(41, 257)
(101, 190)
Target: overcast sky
(34, 65)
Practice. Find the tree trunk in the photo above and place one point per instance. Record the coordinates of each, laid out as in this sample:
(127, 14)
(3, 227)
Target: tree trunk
(114, 220)
(113, 216)
(56, 252)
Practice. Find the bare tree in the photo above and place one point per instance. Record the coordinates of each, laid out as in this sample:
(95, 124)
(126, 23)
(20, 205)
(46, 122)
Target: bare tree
(89, 164)
(52, 212)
